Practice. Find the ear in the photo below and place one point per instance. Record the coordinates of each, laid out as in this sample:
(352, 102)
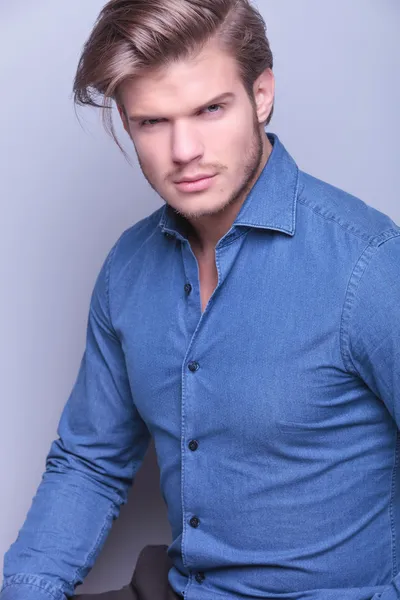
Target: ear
(122, 114)
(264, 93)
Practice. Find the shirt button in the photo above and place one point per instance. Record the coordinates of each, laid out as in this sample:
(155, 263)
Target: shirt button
(194, 522)
(168, 235)
(193, 366)
(193, 445)
(188, 288)
(200, 577)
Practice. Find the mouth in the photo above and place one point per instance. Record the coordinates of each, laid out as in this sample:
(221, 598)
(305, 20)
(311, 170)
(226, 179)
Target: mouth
(196, 185)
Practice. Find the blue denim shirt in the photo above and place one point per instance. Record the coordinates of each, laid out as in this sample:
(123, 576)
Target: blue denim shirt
(274, 413)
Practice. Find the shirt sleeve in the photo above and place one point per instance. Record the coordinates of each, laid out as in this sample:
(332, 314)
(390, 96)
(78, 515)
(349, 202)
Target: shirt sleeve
(372, 344)
(101, 444)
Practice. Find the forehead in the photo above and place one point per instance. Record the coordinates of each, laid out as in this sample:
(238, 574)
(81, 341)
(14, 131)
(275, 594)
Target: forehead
(182, 84)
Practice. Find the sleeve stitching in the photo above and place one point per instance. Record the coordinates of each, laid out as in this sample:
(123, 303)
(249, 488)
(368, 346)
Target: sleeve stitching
(99, 538)
(346, 309)
(369, 251)
(108, 275)
(16, 583)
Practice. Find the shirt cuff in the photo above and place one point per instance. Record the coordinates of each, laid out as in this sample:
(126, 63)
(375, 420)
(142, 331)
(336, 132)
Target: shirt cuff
(29, 587)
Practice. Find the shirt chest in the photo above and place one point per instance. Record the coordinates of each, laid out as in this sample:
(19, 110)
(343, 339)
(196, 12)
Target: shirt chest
(265, 352)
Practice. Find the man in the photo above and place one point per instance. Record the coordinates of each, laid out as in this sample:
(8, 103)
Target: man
(251, 326)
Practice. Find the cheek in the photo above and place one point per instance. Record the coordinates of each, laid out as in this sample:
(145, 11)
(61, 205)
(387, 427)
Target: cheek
(234, 154)
(235, 143)
(225, 143)
(241, 124)
(151, 159)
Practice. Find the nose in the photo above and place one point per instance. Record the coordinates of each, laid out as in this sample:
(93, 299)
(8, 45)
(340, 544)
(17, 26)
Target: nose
(186, 143)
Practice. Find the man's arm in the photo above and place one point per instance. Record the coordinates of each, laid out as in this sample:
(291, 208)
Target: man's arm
(371, 345)
(89, 469)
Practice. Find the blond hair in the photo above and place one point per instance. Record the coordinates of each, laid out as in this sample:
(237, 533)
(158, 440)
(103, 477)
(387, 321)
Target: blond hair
(132, 36)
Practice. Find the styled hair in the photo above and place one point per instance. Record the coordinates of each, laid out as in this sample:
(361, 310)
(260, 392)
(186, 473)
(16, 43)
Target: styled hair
(131, 37)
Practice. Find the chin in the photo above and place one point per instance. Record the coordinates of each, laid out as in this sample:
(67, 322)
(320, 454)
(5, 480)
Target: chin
(200, 208)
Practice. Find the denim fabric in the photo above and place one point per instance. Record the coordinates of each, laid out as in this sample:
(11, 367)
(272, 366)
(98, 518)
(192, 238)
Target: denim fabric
(289, 382)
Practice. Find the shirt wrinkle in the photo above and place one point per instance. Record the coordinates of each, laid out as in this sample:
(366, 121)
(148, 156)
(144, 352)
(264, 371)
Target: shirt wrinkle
(274, 412)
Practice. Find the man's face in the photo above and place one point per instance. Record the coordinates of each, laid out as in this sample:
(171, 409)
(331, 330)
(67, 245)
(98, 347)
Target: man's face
(182, 128)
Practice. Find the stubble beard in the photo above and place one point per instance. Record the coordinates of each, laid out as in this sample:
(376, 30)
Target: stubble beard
(252, 164)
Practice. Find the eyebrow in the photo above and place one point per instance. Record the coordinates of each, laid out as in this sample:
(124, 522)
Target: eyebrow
(216, 100)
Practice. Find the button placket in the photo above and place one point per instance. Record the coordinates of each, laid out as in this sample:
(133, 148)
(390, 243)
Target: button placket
(190, 293)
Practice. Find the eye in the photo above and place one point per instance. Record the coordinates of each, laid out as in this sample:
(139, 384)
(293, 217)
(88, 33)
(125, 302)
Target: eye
(213, 108)
(150, 122)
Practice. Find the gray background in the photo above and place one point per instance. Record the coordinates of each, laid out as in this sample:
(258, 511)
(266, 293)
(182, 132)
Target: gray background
(66, 194)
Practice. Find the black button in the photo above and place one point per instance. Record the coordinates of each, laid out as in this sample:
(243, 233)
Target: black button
(194, 522)
(193, 366)
(188, 288)
(193, 445)
(200, 577)
(168, 235)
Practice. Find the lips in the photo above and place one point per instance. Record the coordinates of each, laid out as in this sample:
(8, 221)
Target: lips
(194, 178)
(196, 185)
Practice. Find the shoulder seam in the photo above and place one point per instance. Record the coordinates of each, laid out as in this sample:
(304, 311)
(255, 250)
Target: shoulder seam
(356, 275)
(356, 232)
(109, 261)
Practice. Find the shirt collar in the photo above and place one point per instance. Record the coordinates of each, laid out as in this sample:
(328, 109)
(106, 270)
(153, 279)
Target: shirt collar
(271, 203)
